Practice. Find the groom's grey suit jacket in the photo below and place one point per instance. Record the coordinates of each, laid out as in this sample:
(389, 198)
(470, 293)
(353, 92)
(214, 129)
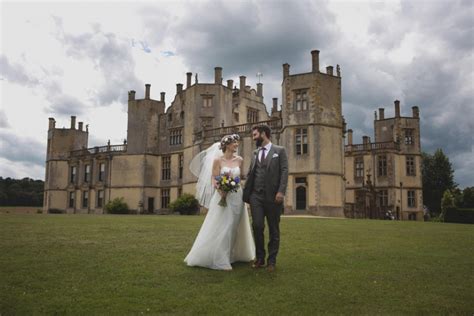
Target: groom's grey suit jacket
(276, 176)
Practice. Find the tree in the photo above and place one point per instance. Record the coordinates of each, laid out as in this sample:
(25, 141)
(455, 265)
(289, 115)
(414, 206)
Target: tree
(24, 192)
(438, 176)
(468, 197)
(447, 204)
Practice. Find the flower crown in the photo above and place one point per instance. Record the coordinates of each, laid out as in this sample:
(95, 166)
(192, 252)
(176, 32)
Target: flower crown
(229, 139)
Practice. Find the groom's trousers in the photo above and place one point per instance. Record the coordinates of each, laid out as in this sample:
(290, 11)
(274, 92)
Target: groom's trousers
(260, 209)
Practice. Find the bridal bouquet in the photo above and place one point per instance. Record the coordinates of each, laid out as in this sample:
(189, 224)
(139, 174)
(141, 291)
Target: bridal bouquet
(227, 183)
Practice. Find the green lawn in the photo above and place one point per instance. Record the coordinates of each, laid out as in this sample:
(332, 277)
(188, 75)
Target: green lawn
(86, 264)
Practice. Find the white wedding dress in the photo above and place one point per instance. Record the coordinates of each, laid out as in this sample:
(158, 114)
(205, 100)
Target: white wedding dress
(225, 236)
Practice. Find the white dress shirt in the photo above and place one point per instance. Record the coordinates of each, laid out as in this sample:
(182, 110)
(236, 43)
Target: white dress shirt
(265, 152)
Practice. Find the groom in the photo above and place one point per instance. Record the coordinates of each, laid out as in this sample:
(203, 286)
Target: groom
(264, 190)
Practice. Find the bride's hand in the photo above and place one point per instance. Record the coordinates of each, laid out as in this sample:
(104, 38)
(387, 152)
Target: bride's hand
(222, 193)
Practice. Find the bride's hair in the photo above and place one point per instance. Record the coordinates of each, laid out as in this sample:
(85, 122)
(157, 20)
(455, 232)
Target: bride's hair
(228, 139)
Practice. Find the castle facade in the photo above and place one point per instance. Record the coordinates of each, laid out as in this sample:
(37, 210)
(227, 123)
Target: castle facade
(326, 177)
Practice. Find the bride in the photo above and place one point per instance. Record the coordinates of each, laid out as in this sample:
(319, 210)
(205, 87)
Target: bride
(225, 235)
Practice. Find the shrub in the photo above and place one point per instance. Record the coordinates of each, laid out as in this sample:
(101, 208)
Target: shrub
(186, 204)
(459, 215)
(117, 206)
(55, 211)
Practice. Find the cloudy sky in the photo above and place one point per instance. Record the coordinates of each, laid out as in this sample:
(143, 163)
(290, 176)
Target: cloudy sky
(59, 59)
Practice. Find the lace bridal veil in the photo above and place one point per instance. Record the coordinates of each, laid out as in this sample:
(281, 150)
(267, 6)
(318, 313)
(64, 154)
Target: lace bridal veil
(201, 167)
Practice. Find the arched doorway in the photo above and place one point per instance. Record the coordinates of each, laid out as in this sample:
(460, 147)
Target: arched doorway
(301, 198)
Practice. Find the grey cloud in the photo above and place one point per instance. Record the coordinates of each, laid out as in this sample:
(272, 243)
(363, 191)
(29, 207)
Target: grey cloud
(246, 37)
(22, 149)
(4, 120)
(448, 21)
(65, 105)
(110, 55)
(16, 73)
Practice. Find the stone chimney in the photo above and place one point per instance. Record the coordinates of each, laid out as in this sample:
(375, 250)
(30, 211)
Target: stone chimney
(242, 83)
(260, 89)
(52, 123)
(131, 95)
(147, 91)
(218, 75)
(162, 96)
(330, 70)
(315, 60)
(230, 84)
(349, 137)
(397, 108)
(275, 105)
(365, 139)
(73, 122)
(188, 79)
(381, 113)
(80, 126)
(286, 70)
(179, 88)
(416, 111)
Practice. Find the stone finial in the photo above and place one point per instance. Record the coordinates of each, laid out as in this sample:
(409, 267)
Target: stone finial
(338, 70)
(415, 111)
(73, 122)
(147, 91)
(242, 83)
(330, 70)
(397, 108)
(218, 75)
(188, 79)
(131, 95)
(286, 70)
(315, 60)
(52, 123)
(260, 89)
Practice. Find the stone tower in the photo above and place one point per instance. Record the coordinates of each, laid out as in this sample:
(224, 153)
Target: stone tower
(61, 142)
(143, 122)
(313, 135)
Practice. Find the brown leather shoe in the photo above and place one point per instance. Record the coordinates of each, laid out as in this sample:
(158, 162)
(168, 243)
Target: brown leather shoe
(271, 267)
(258, 264)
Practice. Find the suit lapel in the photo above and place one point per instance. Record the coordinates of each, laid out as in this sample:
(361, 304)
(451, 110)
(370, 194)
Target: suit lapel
(254, 159)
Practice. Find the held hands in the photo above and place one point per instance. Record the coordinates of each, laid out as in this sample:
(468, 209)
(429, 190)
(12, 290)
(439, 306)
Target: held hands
(279, 198)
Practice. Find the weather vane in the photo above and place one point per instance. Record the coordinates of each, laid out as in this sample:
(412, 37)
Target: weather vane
(259, 75)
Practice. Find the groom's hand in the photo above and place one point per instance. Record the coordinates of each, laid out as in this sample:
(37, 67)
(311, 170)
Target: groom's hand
(279, 198)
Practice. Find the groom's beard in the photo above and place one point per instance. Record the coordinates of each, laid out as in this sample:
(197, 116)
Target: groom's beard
(259, 142)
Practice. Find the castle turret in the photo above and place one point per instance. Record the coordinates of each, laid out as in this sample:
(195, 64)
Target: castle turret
(143, 123)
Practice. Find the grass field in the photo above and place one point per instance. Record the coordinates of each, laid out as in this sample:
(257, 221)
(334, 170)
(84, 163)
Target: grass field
(86, 264)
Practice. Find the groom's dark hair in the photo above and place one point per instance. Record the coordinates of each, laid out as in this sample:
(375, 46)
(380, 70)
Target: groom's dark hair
(264, 128)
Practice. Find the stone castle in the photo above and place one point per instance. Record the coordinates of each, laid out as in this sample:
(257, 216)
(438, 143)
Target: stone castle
(327, 177)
